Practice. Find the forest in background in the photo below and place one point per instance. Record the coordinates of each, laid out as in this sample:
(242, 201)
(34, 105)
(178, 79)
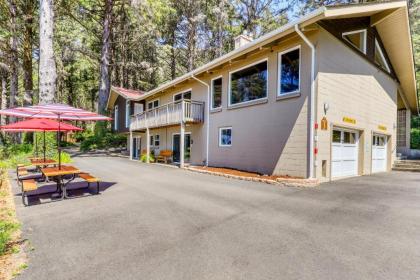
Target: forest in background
(71, 51)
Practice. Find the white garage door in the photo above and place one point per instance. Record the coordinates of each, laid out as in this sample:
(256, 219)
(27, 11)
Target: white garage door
(344, 153)
(379, 153)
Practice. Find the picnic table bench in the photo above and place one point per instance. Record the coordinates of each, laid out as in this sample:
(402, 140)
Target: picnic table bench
(90, 179)
(28, 185)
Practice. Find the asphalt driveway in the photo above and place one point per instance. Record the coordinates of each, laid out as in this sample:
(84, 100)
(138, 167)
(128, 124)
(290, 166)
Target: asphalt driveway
(156, 222)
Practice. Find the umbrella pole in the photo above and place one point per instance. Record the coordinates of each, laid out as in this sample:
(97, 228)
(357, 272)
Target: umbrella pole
(58, 143)
(36, 145)
(44, 146)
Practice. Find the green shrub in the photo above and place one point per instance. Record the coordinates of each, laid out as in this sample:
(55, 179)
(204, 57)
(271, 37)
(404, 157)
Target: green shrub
(6, 230)
(115, 140)
(143, 158)
(415, 138)
(91, 143)
(109, 140)
(65, 157)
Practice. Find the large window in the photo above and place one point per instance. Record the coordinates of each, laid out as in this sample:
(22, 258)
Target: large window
(116, 117)
(248, 84)
(379, 57)
(216, 93)
(289, 71)
(357, 39)
(182, 96)
(127, 113)
(153, 104)
(225, 136)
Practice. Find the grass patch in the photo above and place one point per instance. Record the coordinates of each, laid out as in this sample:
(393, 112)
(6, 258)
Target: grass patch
(12, 256)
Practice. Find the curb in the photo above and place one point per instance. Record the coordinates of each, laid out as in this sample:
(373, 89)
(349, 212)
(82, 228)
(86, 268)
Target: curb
(279, 181)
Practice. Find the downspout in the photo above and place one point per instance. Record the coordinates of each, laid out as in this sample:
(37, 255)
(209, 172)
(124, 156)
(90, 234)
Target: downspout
(312, 104)
(208, 117)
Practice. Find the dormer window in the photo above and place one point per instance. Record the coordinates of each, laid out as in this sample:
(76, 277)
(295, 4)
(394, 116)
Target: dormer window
(357, 39)
(380, 58)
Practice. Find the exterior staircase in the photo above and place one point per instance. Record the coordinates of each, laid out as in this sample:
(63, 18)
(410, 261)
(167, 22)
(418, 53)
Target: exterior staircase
(407, 165)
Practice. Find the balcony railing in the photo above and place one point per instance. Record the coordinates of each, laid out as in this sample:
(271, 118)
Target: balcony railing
(169, 114)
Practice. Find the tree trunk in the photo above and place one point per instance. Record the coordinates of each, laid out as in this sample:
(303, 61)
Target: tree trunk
(173, 54)
(191, 45)
(27, 52)
(47, 67)
(104, 79)
(3, 102)
(14, 67)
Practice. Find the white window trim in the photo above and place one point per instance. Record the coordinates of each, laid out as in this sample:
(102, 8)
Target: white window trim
(357, 31)
(151, 142)
(211, 91)
(127, 113)
(181, 92)
(279, 70)
(377, 46)
(116, 112)
(152, 101)
(242, 68)
(154, 140)
(220, 136)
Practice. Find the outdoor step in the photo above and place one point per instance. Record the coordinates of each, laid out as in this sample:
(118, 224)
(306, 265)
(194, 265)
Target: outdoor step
(408, 169)
(411, 162)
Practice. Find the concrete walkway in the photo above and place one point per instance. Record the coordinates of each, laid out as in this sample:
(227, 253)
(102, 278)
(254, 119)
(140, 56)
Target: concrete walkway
(156, 222)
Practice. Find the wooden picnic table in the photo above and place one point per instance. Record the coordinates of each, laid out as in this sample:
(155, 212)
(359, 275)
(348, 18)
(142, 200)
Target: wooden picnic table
(58, 176)
(42, 162)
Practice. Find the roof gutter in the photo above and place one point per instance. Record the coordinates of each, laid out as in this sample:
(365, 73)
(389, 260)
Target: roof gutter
(208, 116)
(312, 104)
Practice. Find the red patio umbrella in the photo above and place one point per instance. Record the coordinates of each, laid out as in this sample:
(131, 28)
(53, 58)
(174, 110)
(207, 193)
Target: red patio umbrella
(54, 111)
(33, 125)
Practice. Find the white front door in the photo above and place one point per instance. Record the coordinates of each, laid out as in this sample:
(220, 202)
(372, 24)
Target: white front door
(344, 153)
(379, 153)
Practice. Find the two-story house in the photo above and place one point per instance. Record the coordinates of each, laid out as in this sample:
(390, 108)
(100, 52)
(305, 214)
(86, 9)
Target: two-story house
(124, 103)
(326, 96)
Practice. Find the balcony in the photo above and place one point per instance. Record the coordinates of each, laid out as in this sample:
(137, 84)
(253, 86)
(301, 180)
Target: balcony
(169, 114)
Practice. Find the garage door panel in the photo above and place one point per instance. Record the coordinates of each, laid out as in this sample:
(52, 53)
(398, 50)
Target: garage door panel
(344, 153)
(379, 153)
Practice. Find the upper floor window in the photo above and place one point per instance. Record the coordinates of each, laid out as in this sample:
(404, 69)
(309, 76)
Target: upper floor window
(248, 84)
(356, 38)
(153, 104)
(380, 58)
(116, 117)
(127, 113)
(138, 108)
(216, 93)
(289, 71)
(182, 96)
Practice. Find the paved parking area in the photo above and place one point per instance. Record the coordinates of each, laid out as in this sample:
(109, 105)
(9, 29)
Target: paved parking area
(156, 222)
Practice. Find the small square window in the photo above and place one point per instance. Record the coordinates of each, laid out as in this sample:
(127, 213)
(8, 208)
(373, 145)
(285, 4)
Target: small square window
(225, 137)
(336, 136)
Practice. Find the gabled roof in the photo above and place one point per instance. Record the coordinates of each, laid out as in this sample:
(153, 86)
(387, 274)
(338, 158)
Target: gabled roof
(390, 19)
(128, 94)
